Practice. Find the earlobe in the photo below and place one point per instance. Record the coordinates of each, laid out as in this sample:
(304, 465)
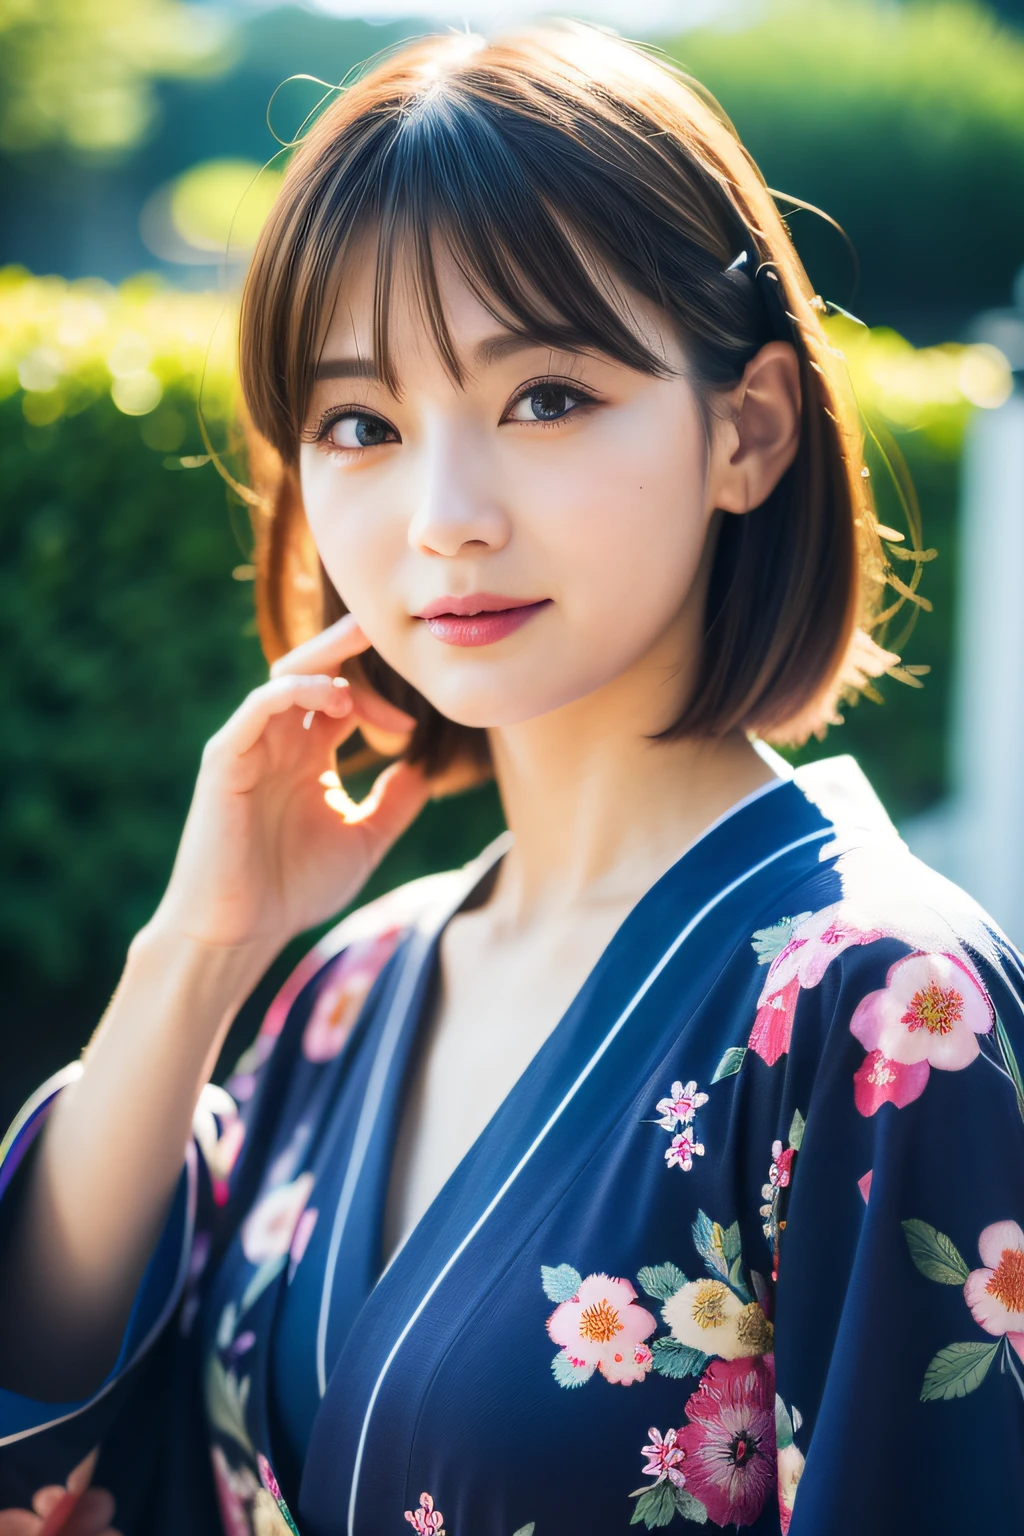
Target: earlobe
(766, 415)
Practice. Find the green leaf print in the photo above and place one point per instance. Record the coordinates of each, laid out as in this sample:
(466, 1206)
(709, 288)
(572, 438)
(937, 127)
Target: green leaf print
(936, 1255)
(264, 1276)
(671, 1358)
(796, 1131)
(525, 1530)
(689, 1507)
(767, 943)
(730, 1063)
(957, 1370)
(659, 1505)
(561, 1282)
(567, 1374)
(661, 1280)
(654, 1506)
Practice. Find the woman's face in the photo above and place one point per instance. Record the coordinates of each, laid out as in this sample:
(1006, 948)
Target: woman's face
(528, 539)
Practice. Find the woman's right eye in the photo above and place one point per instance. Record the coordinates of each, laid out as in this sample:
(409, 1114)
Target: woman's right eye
(356, 429)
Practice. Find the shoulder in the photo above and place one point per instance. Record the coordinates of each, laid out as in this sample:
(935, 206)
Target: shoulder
(863, 916)
(901, 974)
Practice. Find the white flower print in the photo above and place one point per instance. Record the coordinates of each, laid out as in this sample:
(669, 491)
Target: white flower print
(683, 1150)
(678, 1107)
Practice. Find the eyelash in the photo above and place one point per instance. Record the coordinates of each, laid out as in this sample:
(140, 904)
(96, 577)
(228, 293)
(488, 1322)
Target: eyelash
(330, 419)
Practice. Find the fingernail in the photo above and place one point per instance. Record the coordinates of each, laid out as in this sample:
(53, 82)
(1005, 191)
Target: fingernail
(308, 718)
(339, 682)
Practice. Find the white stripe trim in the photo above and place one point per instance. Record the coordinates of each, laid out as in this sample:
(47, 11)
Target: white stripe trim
(48, 1090)
(158, 1326)
(424, 935)
(543, 1132)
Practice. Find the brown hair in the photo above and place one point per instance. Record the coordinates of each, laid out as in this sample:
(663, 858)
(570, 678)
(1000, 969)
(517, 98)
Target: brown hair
(519, 152)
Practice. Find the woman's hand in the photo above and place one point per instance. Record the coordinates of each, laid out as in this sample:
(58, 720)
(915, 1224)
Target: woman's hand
(272, 845)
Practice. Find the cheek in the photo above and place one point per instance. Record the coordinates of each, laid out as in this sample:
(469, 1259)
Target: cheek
(359, 545)
(626, 523)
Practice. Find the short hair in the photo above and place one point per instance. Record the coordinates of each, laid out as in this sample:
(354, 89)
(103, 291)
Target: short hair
(519, 152)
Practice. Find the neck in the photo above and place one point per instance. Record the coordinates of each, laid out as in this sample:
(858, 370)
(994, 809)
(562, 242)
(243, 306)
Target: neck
(598, 810)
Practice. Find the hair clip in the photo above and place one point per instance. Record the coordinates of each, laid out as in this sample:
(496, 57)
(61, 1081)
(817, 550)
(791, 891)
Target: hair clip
(765, 278)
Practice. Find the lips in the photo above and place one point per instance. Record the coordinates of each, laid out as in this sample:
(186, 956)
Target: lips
(482, 618)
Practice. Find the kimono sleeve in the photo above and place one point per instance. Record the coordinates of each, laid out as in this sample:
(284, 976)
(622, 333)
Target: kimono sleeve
(899, 1342)
(150, 1395)
(42, 1442)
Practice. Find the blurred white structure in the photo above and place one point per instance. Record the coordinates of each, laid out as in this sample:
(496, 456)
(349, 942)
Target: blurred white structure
(976, 837)
(635, 18)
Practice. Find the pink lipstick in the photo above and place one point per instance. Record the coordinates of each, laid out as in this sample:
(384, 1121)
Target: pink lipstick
(480, 619)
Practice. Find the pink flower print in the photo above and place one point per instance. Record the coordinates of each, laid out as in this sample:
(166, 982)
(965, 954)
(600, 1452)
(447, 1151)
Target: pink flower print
(220, 1133)
(995, 1293)
(643, 1357)
(664, 1458)
(235, 1491)
(300, 1240)
(813, 945)
(426, 1520)
(780, 1172)
(683, 1149)
(601, 1326)
(269, 1228)
(773, 1024)
(679, 1105)
(790, 1470)
(729, 1441)
(342, 993)
(929, 1014)
(880, 1081)
(267, 1477)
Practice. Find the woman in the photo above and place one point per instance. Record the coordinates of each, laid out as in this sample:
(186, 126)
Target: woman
(663, 1166)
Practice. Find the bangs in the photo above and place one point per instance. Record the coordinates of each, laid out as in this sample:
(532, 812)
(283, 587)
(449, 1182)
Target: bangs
(520, 195)
(457, 171)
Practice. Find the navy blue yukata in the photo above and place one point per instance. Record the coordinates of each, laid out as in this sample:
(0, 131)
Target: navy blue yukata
(743, 1247)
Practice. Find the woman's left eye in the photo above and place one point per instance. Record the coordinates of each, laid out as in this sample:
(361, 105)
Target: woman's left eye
(546, 403)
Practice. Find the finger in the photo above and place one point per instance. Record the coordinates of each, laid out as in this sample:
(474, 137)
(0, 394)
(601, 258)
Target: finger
(93, 1514)
(80, 1477)
(378, 712)
(329, 648)
(19, 1522)
(331, 695)
(45, 1500)
(394, 802)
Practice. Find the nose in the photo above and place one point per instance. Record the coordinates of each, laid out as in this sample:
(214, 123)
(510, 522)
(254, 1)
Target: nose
(456, 509)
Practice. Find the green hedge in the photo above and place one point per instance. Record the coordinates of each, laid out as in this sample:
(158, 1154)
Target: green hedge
(905, 122)
(129, 636)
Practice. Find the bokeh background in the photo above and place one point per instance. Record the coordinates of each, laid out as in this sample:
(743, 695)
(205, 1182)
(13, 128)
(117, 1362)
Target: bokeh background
(139, 150)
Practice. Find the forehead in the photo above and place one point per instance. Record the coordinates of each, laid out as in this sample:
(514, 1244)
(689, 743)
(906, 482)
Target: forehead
(470, 315)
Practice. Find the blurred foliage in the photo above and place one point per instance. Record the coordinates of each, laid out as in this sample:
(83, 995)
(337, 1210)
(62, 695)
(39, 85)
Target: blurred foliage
(79, 73)
(128, 642)
(222, 204)
(903, 122)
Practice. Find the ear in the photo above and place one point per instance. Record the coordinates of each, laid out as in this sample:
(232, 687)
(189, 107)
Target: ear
(758, 431)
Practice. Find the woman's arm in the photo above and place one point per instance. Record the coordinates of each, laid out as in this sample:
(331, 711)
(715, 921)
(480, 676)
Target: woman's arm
(263, 856)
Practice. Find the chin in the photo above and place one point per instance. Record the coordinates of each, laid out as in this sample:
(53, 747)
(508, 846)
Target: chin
(493, 707)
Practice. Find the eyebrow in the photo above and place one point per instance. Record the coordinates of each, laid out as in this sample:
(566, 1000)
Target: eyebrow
(491, 350)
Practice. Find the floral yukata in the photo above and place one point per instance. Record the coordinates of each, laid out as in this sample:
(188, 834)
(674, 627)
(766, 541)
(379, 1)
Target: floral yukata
(743, 1248)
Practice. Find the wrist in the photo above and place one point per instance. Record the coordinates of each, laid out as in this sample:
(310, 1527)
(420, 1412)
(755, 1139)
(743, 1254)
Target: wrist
(222, 974)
